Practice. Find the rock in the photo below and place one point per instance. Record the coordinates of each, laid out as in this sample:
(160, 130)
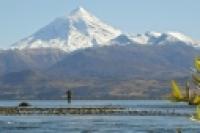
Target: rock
(24, 104)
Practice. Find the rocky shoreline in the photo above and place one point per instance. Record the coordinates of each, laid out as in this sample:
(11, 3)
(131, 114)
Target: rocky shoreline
(88, 111)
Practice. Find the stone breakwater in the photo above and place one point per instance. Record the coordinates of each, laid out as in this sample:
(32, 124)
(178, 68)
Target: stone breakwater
(87, 111)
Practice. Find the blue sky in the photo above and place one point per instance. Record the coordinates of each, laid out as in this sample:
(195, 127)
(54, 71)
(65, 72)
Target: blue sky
(20, 18)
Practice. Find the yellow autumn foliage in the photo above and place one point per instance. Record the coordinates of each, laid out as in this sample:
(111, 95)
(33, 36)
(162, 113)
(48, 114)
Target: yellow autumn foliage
(196, 100)
(176, 92)
(197, 63)
(197, 114)
(196, 79)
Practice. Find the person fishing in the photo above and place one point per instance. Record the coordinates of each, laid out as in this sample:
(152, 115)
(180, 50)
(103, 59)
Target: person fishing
(69, 96)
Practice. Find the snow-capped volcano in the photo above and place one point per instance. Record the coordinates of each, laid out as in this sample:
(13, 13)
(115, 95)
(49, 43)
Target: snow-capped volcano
(81, 30)
(78, 30)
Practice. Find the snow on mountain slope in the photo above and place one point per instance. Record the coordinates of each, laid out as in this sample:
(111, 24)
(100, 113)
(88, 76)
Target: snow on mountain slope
(79, 30)
(183, 38)
(146, 38)
(156, 38)
(82, 30)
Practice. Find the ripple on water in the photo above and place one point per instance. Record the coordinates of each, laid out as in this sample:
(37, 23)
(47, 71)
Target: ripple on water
(102, 124)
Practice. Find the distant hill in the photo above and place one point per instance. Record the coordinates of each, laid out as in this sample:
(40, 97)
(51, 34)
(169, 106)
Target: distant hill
(112, 72)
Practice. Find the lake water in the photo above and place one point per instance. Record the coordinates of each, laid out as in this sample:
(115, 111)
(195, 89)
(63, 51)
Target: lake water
(101, 124)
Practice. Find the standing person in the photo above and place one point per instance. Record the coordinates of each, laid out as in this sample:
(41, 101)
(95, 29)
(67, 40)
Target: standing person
(178, 130)
(69, 96)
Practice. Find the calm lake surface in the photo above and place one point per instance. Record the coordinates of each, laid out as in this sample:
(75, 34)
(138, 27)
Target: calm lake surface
(101, 124)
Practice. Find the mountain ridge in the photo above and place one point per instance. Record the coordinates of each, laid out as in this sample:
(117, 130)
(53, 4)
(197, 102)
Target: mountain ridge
(81, 29)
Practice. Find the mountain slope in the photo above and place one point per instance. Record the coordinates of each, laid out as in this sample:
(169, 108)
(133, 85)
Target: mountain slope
(79, 30)
(156, 38)
(30, 59)
(128, 61)
(112, 72)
